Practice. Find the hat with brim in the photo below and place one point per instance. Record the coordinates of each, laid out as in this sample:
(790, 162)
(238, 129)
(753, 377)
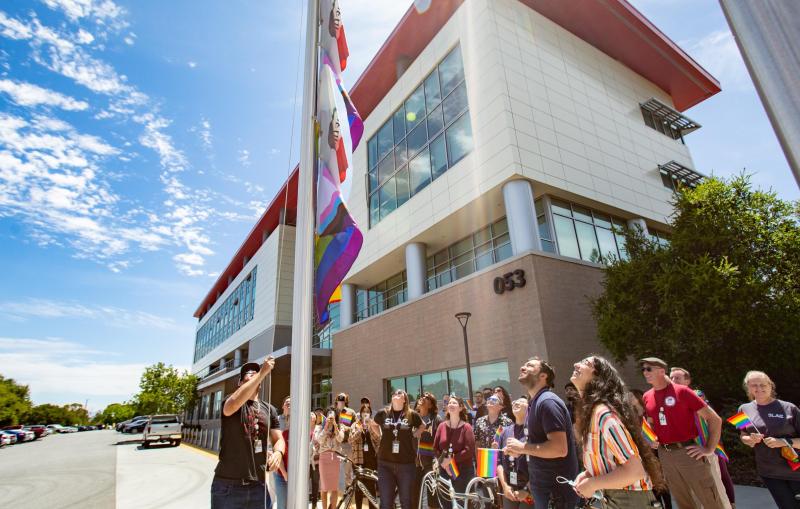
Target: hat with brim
(654, 361)
(249, 366)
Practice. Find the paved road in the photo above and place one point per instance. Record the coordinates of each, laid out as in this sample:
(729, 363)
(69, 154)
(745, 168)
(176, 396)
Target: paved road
(75, 470)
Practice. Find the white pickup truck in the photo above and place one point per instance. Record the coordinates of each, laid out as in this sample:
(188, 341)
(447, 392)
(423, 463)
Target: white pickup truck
(162, 428)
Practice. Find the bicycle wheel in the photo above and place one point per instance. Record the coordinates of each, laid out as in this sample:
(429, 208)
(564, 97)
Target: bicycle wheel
(344, 503)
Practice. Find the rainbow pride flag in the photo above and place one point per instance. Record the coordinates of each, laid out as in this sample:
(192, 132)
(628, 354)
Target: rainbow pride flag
(790, 455)
(648, 432)
(425, 448)
(487, 462)
(498, 433)
(452, 470)
(345, 419)
(702, 437)
(740, 420)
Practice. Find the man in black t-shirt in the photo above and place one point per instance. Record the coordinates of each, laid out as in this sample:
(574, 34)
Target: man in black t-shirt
(248, 425)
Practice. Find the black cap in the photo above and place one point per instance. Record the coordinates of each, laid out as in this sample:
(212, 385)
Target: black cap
(249, 366)
(655, 361)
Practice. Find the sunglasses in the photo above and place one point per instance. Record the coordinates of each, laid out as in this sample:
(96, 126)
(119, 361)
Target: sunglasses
(398, 393)
(648, 368)
(341, 398)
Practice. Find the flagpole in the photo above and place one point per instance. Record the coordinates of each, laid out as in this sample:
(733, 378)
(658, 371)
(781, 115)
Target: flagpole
(302, 317)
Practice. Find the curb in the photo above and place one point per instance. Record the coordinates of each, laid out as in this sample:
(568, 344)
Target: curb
(199, 450)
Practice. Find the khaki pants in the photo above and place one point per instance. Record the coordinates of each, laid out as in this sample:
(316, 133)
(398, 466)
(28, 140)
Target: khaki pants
(691, 481)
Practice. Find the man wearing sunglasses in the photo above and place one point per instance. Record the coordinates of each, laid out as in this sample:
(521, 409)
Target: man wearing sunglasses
(688, 468)
(247, 425)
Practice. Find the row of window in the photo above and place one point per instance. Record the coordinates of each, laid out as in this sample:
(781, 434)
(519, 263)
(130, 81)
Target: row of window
(209, 407)
(430, 132)
(453, 381)
(232, 315)
(588, 234)
(385, 295)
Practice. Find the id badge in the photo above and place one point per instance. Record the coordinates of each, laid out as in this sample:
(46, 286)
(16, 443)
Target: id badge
(366, 447)
(257, 446)
(662, 419)
(512, 478)
(396, 447)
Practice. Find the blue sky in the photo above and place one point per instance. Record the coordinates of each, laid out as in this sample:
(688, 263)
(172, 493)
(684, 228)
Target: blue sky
(140, 141)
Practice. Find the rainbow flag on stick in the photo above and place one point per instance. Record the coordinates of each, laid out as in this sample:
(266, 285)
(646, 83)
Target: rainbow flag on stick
(790, 455)
(498, 433)
(741, 421)
(452, 470)
(648, 432)
(702, 437)
(345, 419)
(425, 448)
(487, 462)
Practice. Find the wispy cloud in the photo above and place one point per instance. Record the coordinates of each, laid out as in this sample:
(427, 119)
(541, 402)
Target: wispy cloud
(192, 64)
(244, 157)
(718, 53)
(28, 94)
(110, 316)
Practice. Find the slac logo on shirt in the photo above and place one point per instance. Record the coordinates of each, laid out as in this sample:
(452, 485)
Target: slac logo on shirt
(669, 401)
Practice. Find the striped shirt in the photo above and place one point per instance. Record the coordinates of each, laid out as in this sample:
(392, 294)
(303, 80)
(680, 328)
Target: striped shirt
(608, 445)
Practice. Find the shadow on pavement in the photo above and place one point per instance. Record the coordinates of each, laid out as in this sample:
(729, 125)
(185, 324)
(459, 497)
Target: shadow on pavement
(128, 442)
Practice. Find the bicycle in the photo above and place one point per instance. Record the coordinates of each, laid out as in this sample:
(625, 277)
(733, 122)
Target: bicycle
(360, 474)
(442, 487)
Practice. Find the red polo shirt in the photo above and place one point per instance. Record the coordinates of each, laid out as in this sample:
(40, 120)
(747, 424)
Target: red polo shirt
(679, 404)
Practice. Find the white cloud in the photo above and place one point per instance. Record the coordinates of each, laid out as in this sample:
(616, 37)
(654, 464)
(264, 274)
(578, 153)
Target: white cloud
(99, 10)
(192, 64)
(99, 315)
(718, 53)
(84, 37)
(244, 157)
(27, 94)
(14, 29)
(205, 134)
(57, 370)
(130, 39)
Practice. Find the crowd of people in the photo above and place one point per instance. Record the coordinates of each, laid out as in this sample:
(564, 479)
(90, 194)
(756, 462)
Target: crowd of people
(606, 446)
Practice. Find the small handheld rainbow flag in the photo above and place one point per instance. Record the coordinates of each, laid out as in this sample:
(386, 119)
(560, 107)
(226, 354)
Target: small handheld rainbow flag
(648, 432)
(791, 456)
(345, 419)
(452, 470)
(498, 433)
(487, 462)
(740, 420)
(702, 436)
(425, 448)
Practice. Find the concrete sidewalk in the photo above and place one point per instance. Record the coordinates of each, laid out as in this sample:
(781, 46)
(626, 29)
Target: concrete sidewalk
(750, 497)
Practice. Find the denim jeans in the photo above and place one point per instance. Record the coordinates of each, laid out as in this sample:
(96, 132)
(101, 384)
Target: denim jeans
(396, 476)
(564, 497)
(281, 488)
(232, 495)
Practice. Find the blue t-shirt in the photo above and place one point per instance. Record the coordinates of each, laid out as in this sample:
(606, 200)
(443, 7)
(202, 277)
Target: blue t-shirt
(518, 465)
(547, 413)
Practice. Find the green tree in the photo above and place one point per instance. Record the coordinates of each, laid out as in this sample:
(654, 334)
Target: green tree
(67, 415)
(15, 402)
(165, 390)
(722, 298)
(114, 413)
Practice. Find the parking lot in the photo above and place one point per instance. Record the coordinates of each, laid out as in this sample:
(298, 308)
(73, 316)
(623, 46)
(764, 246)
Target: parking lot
(103, 470)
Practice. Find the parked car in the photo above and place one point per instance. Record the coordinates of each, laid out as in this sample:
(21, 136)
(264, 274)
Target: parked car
(121, 425)
(135, 426)
(69, 429)
(38, 429)
(162, 428)
(22, 435)
(7, 438)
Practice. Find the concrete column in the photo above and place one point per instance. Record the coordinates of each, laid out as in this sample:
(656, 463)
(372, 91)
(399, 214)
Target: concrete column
(521, 216)
(237, 357)
(415, 269)
(638, 223)
(347, 308)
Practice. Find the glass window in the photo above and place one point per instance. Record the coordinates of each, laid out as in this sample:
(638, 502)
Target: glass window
(608, 247)
(565, 234)
(451, 71)
(458, 383)
(374, 209)
(373, 179)
(582, 214)
(414, 387)
(400, 154)
(395, 384)
(388, 198)
(483, 256)
(435, 122)
(415, 108)
(417, 139)
(420, 171)
(372, 149)
(385, 139)
(385, 169)
(433, 95)
(435, 383)
(587, 241)
(504, 250)
(403, 189)
(490, 375)
(459, 139)
(399, 120)
(438, 157)
(455, 103)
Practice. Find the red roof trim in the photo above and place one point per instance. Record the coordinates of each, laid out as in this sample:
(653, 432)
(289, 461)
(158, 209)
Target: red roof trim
(284, 199)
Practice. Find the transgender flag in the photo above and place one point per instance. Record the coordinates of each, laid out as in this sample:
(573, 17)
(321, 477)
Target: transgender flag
(338, 239)
(334, 56)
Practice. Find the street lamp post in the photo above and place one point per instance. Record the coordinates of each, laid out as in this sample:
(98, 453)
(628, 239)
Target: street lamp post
(463, 318)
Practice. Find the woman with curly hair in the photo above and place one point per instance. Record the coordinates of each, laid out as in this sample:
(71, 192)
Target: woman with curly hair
(505, 401)
(617, 460)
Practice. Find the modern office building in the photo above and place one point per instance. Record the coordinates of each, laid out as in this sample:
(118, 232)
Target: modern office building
(506, 144)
